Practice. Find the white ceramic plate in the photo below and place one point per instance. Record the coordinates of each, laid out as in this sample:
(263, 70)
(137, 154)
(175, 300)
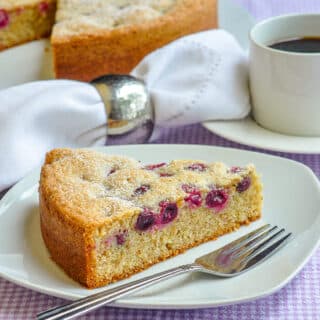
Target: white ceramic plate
(248, 132)
(292, 200)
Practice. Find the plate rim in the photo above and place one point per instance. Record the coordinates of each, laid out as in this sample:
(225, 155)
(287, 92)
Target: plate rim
(123, 303)
(244, 123)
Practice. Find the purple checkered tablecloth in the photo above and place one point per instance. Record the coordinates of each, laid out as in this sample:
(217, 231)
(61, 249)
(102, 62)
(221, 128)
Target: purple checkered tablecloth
(300, 299)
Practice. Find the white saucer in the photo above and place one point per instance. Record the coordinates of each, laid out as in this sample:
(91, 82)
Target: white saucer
(248, 132)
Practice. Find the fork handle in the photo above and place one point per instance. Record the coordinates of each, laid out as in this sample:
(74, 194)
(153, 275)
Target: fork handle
(84, 305)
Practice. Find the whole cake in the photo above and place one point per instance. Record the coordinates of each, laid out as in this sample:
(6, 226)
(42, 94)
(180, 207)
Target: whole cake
(25, 20)
(91, 38)
(105, 217)
(97, 37)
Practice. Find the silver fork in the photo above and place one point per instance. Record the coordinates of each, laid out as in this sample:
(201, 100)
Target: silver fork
(231, 260)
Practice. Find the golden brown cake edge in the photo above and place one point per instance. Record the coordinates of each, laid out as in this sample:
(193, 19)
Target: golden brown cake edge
(120, 50)
(80, 268)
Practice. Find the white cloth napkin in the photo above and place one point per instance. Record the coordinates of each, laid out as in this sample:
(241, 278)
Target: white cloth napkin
(199, 77)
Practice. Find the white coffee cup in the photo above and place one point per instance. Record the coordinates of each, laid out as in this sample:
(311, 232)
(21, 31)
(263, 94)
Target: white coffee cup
(285, 86)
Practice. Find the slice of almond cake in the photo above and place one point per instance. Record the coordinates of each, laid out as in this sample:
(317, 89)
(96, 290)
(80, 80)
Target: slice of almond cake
(25, 20)
(105, 217)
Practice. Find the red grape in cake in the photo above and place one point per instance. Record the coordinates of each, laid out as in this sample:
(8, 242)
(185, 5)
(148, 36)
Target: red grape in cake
(142, 189)
(168, 212)
(244, 184)
(146, 220)
(121, 237)
(4, 18)
(235, 169)
(43, 7)
(165, 174)
(217, 199)
(197, 167)
(188, 188)
(154, 166)
(194, 199)
(118, 239)
(110, 241)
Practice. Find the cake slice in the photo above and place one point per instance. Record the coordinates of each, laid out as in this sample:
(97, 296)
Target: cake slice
(25, 20)
(105, 217)
(97, 37)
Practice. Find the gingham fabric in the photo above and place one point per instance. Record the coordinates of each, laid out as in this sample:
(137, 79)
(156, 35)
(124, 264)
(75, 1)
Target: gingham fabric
(299, 300)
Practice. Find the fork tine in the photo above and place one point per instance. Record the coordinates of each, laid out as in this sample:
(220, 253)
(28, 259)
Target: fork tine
(257, 245)
(236, 244)
(256, 242)
(265, 251)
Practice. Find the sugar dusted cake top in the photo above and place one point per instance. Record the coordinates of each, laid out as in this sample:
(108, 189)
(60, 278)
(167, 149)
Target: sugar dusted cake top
(94, 187)
(81, 16)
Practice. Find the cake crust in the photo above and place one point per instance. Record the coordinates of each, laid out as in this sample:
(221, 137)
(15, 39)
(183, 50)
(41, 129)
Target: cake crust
(89, 55)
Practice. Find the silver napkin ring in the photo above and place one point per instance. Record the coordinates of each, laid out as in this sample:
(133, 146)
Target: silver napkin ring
(128, 107)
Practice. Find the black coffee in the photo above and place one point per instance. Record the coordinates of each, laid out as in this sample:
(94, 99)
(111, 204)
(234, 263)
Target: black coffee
(305, 45)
